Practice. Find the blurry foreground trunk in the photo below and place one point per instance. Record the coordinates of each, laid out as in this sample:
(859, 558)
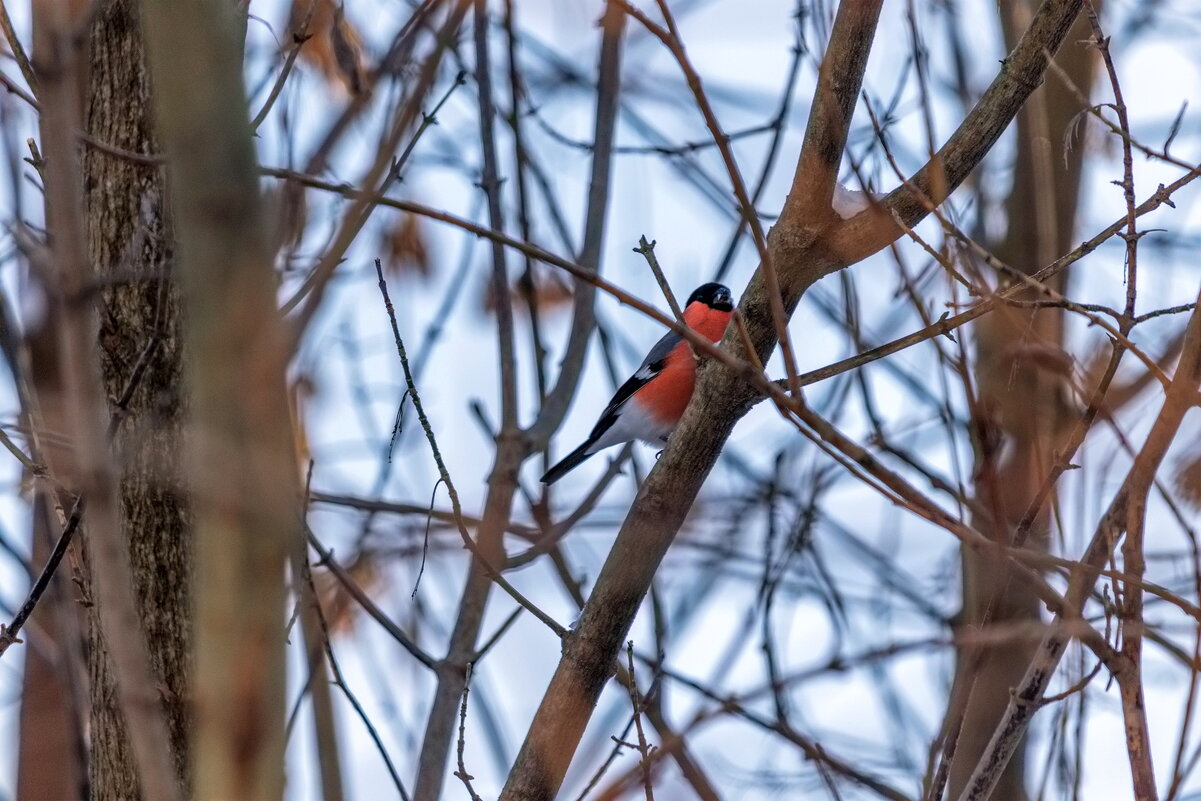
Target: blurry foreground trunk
(242, 467)
(1019, 414)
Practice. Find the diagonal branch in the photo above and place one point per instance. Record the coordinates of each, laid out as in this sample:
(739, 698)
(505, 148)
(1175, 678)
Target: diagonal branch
(18, 51)
(1021, 73)
(833, 106)
(10, 633)
(804, 249)
(665, 499)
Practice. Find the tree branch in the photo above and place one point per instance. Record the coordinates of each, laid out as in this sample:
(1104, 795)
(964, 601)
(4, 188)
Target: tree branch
(660, 508)
(56, 58)
(583, 320)
(803, 250)
(1021, 73)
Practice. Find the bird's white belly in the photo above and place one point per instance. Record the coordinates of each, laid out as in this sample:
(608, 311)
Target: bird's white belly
(633, 422)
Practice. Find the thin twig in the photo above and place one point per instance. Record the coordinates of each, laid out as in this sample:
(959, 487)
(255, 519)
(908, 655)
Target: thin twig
(328, 561)
(9, 633)
(340, 681)
(18, 50)
(299, 37)
(29, 464)
(461, 774)
(490, 569)
(13, 87)
(645, 751)
(1130, 680)
(647, 249)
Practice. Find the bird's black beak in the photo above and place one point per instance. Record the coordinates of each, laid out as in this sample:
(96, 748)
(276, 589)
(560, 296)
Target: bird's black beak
(722, 298)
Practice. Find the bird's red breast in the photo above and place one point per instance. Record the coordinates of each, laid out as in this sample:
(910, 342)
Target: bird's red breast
(666, 397)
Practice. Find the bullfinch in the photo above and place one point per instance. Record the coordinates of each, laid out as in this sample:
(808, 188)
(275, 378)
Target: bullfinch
(651, 402)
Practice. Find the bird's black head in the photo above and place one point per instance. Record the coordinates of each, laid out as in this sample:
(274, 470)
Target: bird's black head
(715, 296)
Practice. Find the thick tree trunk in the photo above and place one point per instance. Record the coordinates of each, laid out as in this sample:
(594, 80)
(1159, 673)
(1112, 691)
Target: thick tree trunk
(129, 246)
(242, 463)
(1020, 413)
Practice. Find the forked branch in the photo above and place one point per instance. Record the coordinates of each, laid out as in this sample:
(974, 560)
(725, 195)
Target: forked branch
(807, 243)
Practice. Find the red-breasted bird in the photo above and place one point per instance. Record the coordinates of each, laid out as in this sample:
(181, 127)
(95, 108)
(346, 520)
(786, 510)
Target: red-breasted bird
(652, 401)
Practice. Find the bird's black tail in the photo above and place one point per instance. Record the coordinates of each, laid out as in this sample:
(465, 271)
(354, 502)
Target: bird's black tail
(567, 464)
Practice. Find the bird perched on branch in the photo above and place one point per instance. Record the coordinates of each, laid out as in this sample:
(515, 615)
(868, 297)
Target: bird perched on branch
(652, 401)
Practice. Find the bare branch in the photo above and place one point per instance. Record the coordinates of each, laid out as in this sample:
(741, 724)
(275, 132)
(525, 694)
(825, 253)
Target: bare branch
(583, 320)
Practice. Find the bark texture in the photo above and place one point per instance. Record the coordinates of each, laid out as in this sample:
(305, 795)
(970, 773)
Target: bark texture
(129, 245)
(1022, 409)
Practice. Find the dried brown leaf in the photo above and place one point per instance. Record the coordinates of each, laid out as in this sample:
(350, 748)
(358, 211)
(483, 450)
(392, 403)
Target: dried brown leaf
(338, 606)
(299, 392)
(404, 247)
(347, 52)
(332, 45)
(1188, 477)
(549, 291)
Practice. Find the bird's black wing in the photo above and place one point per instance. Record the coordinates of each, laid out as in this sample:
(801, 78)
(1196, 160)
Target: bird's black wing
(651, 366)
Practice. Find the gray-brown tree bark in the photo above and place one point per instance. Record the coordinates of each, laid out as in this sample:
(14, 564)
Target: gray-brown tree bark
(129, 244)
(103, 290)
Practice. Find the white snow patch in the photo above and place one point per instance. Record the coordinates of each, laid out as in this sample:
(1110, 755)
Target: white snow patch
(849, 202)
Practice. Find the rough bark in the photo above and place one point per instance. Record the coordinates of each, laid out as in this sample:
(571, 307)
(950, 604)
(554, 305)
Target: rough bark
(129, 246)
(1021, 413)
